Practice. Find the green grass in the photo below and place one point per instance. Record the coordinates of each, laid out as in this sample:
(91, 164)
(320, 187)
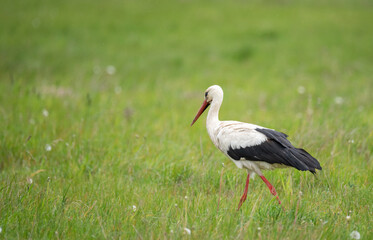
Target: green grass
(124, 139)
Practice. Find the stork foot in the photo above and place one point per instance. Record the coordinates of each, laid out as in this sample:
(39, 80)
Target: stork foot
(243, 199)
(271, 189)
(244, 196)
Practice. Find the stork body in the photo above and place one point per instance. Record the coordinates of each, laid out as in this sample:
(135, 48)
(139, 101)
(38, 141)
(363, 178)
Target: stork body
(250, 146)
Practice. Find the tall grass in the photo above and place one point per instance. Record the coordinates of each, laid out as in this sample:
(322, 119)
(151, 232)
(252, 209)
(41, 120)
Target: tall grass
(97, 99)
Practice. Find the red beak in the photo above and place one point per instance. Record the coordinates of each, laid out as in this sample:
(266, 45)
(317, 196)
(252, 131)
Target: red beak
(205, 104)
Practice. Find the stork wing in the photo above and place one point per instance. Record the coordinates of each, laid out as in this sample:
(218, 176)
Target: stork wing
(255, 143)
(237, 135)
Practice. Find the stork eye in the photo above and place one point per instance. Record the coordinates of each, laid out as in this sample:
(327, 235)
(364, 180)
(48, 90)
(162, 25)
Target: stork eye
(206, 94)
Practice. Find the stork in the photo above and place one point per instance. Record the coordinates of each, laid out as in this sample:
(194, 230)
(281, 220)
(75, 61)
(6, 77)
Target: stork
(250, 146)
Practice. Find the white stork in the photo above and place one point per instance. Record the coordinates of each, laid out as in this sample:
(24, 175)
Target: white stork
(250, 146)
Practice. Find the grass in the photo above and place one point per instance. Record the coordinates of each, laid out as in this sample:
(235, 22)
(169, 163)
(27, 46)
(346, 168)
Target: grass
(122, 140)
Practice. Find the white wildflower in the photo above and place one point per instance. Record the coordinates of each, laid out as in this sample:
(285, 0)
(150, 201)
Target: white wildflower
(48, 147)
(301, 90)
(1, 229)
(175, 204)
(45, 113)
(259, 228)
(111, 70)
(118, 89)
(348, 217)
(351, 141)
(29, 180)
(186, 197)
(187, 231)
(222, 164)
(338, 100)
(300, 193)
(171, 231)
(134, 208)
(355, 235)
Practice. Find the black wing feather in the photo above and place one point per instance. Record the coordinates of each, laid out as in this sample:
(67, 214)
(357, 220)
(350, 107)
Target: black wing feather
(277, 149)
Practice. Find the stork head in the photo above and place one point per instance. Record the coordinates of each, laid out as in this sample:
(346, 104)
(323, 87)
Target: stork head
(212, 93)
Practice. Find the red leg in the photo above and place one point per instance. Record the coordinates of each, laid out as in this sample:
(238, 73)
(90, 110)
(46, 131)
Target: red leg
(271, 188)
(244, 196)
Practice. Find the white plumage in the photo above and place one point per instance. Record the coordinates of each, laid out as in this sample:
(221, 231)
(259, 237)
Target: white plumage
(250, 146)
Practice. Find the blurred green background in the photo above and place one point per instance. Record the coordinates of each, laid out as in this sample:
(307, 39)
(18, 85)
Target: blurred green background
(97, 98)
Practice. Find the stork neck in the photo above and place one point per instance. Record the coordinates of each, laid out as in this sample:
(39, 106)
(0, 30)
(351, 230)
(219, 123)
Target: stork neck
(213, 114)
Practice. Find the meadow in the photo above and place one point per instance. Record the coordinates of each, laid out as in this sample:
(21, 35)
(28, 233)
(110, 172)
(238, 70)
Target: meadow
(96, 103)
